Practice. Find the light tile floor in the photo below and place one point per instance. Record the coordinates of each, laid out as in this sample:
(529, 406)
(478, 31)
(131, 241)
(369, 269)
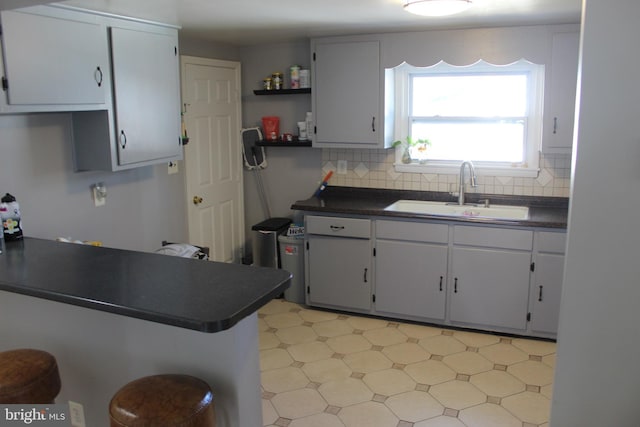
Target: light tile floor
(325, 369)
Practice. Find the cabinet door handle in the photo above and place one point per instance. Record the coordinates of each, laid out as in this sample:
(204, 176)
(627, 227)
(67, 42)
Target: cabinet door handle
(123, 139)
(336, 227)
(555, 125)
(455, 285)
(540, 294)
(365, 275)
(373, 123)
(98, 76)
(440, 283)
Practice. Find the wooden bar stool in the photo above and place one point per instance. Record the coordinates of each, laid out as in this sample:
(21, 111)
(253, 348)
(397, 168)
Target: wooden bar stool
(163, 401)
(28, 376)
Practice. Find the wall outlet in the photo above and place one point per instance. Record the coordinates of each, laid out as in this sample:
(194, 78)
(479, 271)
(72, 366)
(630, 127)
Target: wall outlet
(173, 168)
(342, 167)
(76, 413)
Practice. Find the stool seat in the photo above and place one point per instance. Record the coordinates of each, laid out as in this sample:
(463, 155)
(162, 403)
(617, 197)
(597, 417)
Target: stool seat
(28, 376)
(167, 400)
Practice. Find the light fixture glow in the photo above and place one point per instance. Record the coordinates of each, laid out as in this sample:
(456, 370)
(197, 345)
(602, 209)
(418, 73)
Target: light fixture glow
(437, 7)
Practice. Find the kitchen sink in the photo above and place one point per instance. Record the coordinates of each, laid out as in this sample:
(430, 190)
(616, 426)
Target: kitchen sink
(467, 210)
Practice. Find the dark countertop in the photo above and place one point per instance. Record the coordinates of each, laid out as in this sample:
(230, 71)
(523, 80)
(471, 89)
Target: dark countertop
(201, 295)
(548, 212)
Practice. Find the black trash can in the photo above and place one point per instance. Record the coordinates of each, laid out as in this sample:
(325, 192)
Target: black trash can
(265, 241)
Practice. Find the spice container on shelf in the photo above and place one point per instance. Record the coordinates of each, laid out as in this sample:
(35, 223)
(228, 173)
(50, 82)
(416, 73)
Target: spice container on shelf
(295, 76)
(278, 81)
(267, 83)
(305, 82)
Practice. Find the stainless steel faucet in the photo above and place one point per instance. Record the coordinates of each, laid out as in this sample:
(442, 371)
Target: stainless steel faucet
(472, 180)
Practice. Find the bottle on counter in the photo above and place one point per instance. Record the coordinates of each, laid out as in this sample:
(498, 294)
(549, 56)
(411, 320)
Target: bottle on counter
(10, 215)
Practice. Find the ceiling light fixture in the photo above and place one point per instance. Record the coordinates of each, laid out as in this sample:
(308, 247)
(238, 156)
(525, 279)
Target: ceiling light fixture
(436, 7)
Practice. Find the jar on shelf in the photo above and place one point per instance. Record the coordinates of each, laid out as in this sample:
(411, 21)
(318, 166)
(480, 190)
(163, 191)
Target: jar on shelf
(278, 81)
(267, 83)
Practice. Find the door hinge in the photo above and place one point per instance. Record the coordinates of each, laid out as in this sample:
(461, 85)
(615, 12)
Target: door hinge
(307, 245)
(528, 317)
(5, 84)
(175, 50)
(314, 56)
(374, 251)
(308, 289)
(533, 267)
(374, 297)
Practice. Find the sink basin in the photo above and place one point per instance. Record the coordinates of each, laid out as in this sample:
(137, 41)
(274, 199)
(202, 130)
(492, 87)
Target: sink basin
(443, 208)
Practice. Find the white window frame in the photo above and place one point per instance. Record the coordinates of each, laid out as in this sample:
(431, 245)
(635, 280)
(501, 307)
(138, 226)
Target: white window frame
(533, 120)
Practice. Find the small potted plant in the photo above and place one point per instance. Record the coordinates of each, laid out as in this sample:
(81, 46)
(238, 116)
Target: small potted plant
(420, 144)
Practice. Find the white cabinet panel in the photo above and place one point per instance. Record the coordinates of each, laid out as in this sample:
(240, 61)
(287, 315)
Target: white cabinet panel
(339, 272)
(54, 60)
(547, 287)
(338, 226)
(411, 278)
(347, 94)
(147, 99)
(490, 287)
(561, 100)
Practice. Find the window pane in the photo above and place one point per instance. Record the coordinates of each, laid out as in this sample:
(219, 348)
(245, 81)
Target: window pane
(466, 95)
(495, 141)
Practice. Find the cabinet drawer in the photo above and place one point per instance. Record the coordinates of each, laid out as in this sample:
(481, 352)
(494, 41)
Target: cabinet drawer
(412, 231)
(493, 237)
(551, 242)
(336, 226)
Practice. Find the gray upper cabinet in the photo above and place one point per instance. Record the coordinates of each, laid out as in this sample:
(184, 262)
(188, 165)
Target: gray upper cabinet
(347, 94)
(118, 77)
(147, 98)
(56, 62)
(561, 99)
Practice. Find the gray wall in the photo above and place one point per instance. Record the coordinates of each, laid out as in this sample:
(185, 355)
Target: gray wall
(598, 375)
(292, 173)
(144, 206)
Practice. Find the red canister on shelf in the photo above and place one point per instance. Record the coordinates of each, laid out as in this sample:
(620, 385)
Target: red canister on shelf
(271, 127)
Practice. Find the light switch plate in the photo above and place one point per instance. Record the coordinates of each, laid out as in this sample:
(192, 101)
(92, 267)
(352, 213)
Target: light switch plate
(342, 167)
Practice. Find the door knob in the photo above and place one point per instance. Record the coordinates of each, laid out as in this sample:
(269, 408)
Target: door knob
(197, 200)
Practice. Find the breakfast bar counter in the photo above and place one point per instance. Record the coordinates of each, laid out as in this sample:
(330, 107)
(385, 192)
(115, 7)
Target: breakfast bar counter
(110, 316)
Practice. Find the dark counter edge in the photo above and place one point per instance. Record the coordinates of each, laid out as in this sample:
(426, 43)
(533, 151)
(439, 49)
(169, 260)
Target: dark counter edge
(545, 212)
(155, 317)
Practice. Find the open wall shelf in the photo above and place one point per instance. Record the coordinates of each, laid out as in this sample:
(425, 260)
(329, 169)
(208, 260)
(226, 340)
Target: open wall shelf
(282, 91)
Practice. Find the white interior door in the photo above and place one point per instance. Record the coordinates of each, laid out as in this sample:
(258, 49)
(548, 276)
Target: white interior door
(213, 159)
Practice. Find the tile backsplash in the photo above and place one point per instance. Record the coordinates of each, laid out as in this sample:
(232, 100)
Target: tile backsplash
(374, 169)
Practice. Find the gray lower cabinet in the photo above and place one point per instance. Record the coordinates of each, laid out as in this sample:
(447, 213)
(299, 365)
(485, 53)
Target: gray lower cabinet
(411, 269)
(490, 273)
(490, 287)
(546, 283)
(338, 262)
(476, 276)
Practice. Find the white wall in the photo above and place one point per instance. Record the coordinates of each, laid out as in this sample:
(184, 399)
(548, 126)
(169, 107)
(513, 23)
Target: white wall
(144, 206)
(598, 370)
